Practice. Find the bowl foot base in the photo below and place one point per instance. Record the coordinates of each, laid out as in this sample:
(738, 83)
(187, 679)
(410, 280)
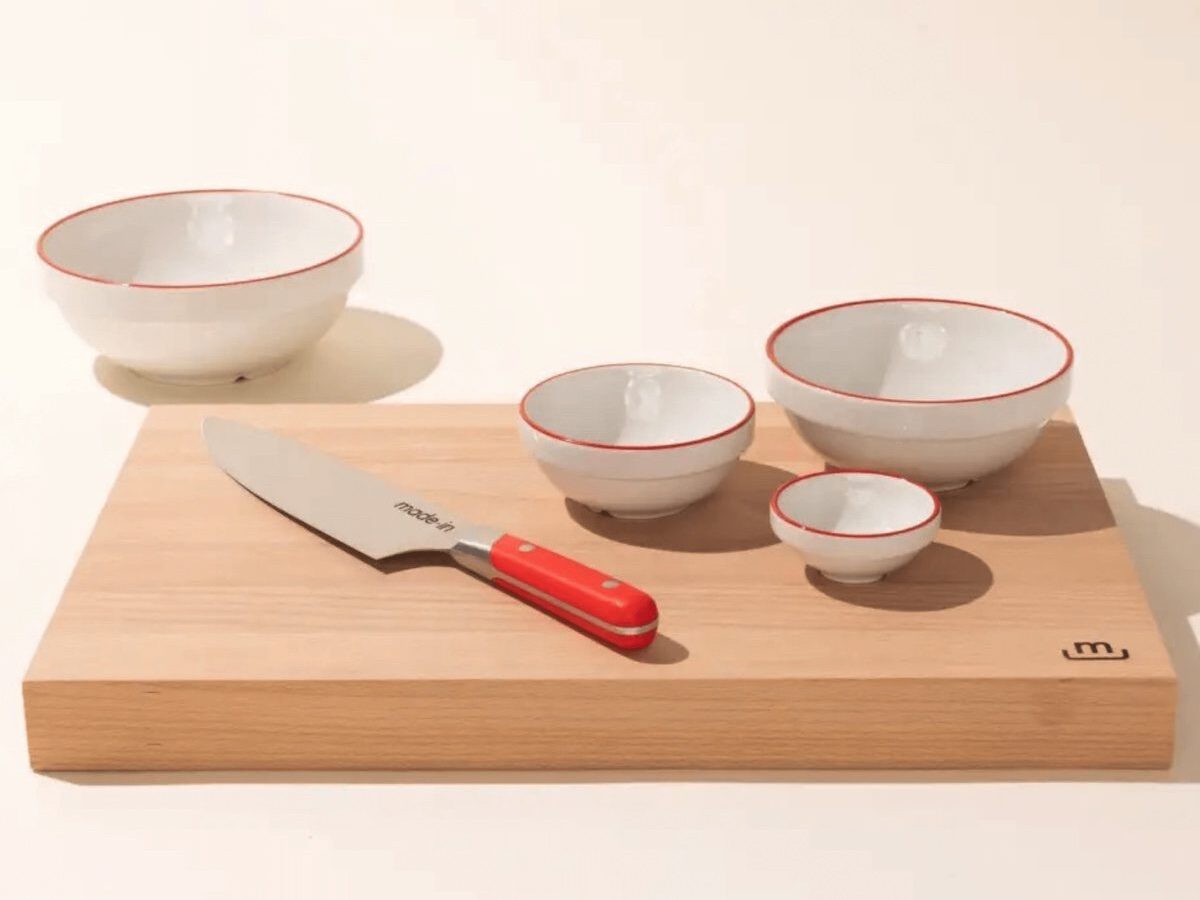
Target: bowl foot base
(210, 380)
(655, 514)
(853, 579)
(949, 486)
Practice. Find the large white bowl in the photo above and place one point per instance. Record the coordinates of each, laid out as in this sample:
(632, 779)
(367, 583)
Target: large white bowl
(203, 287)
(637, 440)
(940, 391)
(855, 527)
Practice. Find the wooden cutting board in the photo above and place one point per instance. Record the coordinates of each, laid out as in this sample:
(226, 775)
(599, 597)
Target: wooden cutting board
(203, 630)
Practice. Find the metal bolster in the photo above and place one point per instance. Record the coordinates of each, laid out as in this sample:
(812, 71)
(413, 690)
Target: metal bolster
(474, 552)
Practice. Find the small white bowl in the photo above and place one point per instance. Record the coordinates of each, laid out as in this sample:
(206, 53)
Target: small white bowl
(637, 440)
(203, 287)
(941, 391)
(855, 526)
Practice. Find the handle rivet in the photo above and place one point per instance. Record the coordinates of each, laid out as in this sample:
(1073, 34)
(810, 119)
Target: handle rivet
(525, 548)
(610, 583)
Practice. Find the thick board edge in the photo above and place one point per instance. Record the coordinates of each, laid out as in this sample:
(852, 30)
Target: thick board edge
(863, 724)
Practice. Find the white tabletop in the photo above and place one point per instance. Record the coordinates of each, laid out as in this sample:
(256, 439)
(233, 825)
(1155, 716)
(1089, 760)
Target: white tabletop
(545, 187)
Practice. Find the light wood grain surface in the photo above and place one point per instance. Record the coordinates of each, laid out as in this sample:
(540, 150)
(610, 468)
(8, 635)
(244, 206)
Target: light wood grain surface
(201, 629)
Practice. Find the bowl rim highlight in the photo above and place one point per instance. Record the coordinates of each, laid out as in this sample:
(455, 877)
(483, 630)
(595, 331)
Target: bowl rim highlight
(774, 336)
(600, 445)
(775, 508)
(41, 241)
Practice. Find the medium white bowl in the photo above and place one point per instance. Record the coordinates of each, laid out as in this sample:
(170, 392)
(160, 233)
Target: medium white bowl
(853, 526)
(941, 391)
(203, 287)
(637, 440)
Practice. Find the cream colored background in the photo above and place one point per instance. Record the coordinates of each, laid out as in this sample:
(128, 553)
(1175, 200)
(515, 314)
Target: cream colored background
(547, 185)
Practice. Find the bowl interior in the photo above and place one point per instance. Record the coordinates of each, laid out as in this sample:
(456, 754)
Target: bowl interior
(856, 503)
(637, 406)
(199, 238)
(921, 350)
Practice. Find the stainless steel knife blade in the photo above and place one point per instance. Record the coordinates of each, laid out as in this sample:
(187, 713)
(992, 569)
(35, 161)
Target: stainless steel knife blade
(353, 507)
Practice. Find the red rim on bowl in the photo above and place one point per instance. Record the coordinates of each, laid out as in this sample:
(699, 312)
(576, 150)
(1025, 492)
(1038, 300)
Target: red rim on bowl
(41, 241)
(1000, 309)
(775, 508)
(525, 417)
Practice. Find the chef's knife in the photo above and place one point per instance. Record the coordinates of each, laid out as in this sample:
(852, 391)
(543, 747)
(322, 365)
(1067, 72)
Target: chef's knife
(379, 520)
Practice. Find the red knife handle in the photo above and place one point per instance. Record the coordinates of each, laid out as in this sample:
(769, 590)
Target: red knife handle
(611, 610)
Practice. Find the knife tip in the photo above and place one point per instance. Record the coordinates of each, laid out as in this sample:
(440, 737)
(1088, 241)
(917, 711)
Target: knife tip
(211, 427)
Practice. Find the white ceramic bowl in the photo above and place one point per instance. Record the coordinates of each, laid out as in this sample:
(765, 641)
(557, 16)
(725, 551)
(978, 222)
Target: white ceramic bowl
(941, 391)
(637, 440)
(203, 287)
(853, 526)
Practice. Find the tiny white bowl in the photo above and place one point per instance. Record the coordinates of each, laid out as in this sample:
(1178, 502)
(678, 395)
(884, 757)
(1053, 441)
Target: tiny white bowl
(205, 286)
(941, 391)
(855, 526)
(637, 440)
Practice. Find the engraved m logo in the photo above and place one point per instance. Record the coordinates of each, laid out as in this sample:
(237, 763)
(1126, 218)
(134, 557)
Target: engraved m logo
(1084, 650)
